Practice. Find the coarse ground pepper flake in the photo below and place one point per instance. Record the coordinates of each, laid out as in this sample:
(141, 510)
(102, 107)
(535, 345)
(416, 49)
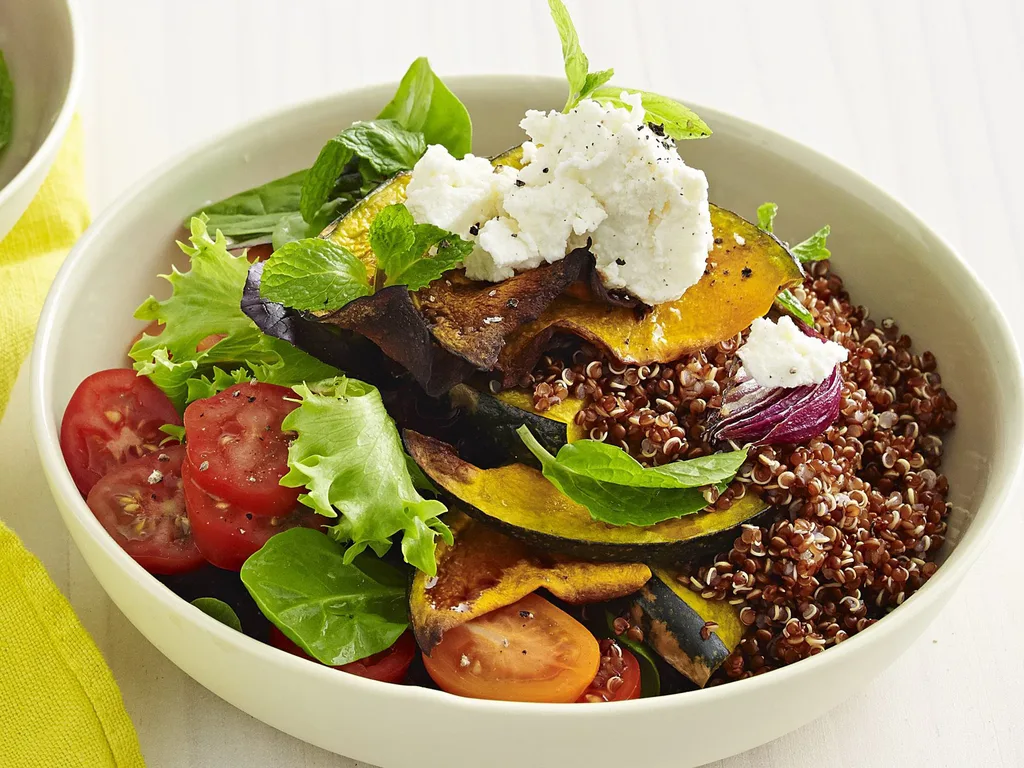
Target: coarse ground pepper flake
(862, 508)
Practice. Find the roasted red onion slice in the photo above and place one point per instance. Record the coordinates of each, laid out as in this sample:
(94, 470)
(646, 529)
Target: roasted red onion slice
(752, 414)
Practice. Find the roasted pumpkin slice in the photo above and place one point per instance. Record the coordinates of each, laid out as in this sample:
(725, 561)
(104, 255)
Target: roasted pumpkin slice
(485, 570)
(518, 500)
(675, 621)
(564, 411)
(746, 270)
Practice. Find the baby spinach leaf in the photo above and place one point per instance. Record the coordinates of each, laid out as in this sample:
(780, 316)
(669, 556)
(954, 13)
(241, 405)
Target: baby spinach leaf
(313, 274)
(219, 610)
(609, 464)
(403, 247)
(337, 609)
(679, 121)
(257, 211)
(423, 103)
(6, 103)
(612, 503)
(349, 458)
(384, 145)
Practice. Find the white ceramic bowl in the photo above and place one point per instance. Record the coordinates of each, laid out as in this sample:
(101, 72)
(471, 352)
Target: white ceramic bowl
(42, 44)
(890, 260)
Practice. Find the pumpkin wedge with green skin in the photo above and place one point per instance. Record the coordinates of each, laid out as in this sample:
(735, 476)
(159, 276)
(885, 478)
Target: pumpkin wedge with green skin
(485, 570)
(747, 268)
(564, 411)
(673, 618)
(519, 501)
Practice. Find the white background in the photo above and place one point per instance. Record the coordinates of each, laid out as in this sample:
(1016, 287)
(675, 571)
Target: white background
(922, 96)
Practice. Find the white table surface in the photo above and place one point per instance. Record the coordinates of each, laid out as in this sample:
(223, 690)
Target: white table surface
(921, 96)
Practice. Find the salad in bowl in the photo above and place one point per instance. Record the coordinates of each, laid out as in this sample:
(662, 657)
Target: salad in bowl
(545, 427)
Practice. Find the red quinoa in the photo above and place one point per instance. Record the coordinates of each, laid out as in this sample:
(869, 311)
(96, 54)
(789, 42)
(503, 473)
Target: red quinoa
(861, 509)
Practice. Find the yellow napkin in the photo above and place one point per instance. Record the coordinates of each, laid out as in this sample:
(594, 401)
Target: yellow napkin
(59, 704)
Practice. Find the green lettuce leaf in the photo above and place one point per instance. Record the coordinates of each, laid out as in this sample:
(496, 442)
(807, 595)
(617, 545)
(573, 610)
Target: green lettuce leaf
(204, 302)
(679, 121)
(423, 103)
(613, 503)
(338, 610)
(402, 248)
(384, 146)
(201, 387)
(219, 610)
(314, 274)
(349, 458)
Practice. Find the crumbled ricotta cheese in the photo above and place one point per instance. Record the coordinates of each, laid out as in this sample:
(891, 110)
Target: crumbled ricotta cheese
(781, 355)
(456, 195)
(597, 173)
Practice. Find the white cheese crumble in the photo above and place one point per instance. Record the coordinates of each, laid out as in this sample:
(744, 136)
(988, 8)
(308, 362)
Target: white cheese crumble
(598, 172)
(781, 355)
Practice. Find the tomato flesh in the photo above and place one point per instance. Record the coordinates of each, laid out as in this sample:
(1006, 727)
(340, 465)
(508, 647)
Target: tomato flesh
(113, 417)
(617, 678)
(235, 439)
(228, 534)
(141, 504)
(527, 651)
(388, 666)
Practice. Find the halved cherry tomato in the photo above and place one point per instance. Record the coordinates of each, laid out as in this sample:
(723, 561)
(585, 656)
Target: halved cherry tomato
(388, 666)
(227, 534)
(527, 651)
(114, 416)
(142, 506)
(235, 439)
(618, 677)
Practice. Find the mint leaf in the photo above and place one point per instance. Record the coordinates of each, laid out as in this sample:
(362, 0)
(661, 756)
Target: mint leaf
(403, 248)
(594, 81)
(204, 304)
(766, 213)
(790, 304)
(6, 103)
(609, 464)
(613, 503)
(219, 610)
(255, 212)
(679, 121)
(576, 63)
(383, 145)
(423, 103)
(314, 274)
(349, 457)
(813, 248)
(336, 609)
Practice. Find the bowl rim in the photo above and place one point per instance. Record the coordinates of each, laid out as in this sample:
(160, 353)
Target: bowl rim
(947, 577)
(47, 150)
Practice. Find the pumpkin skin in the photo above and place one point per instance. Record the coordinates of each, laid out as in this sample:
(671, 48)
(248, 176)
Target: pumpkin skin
(672, 617)
(519, 501)
(484, 570)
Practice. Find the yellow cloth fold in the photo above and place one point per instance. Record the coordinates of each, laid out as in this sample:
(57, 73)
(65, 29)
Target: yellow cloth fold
(59, 704)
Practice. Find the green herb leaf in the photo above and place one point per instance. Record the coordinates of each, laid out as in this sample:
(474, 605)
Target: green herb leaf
(609, 464)
(336, 609)
(349, 457)
(403, 247)
(766, 213)
(594, 81)
(790, 304)
(384, 145)
(6, 103)
(314, 274)
(423, 103)
(813, 248)
(679, 121)
(255, 212)
(205, 301)
(612, 503)
(576, 63)
(650, 677)
(219, 610)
